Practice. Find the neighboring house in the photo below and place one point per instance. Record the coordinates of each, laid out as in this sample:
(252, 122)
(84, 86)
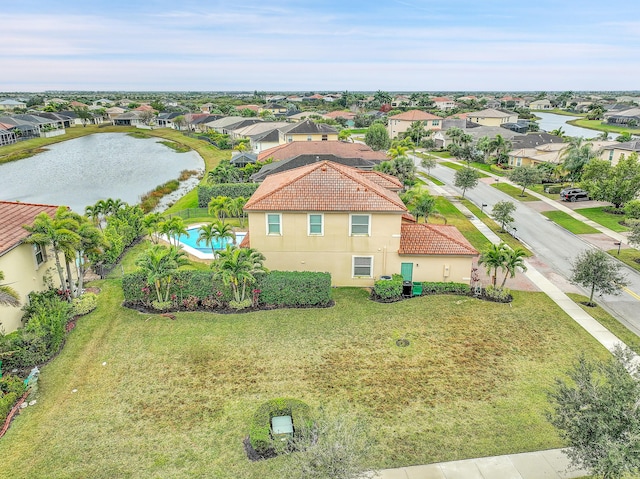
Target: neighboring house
(541, 105)
(274, 108)
(130, 118)
(114, 111)
(12, 104)
(527, 154)
(243, 159)
(442, 139)
(46, 127)
(401, 122)
(492, 117)
(332, 218)
(220, 125)
(307, 130)
(616, 151)
(443, 103)
(7, 135)
(341, 149)
(511, 102)
(25, 266)
(302, 115)
(628, 117)
(166, 119)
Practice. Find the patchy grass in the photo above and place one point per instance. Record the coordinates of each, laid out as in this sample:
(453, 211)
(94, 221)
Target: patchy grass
(176, 147)
(175, 398)
(460, 166)
(603, 218)
(569, 223)
(629, 256)
(612, 324)
(514, 192)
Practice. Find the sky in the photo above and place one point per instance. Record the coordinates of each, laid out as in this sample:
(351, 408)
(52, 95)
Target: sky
(329, 45)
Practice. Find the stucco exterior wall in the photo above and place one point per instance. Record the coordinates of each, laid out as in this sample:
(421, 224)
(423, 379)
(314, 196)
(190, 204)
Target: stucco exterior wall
(395, 127)
(24, 275)
(493, 121)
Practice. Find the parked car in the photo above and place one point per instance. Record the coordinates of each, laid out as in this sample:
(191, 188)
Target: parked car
(574, 194)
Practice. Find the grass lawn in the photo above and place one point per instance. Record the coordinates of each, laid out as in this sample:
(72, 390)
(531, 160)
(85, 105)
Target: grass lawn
(603, 218)
(629, 256)
(514, 191)
(558, 111)
(460, 166)
(612, 324)
(569, 223)
(175, 398)
(460, 221)
(435, 181)
(540, 190)
(598, 125)
(488, 168)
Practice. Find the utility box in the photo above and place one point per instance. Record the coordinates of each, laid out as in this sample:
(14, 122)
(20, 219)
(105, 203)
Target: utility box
(407, 289)
(282, 428)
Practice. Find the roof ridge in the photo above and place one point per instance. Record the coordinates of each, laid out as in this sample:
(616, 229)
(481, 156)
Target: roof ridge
(436, 229)
(28, 204)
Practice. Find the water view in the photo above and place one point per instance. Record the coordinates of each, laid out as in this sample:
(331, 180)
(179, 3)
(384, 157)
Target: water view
(82, 171)
(552, 121)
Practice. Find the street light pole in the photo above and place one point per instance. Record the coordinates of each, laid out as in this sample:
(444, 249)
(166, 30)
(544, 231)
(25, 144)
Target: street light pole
(618, 244)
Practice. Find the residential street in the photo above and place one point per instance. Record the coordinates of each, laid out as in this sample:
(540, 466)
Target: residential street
(554, 247)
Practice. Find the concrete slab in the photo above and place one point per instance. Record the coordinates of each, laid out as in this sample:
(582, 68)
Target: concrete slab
(432, 471)
(499, 467)
(398, 473)
(561, 463)
(461, 470)
(533, 466)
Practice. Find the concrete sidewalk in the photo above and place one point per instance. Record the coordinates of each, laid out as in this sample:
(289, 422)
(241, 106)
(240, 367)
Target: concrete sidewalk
(551, 464)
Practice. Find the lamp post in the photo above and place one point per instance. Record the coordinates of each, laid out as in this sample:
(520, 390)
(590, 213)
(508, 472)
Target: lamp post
(482, 207)
(618, 244)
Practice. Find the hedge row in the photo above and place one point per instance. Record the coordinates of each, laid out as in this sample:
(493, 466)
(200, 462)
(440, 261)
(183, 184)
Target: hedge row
(11, 388)
(260, 430)
(391, 290)
(277, 288)
(232, 190)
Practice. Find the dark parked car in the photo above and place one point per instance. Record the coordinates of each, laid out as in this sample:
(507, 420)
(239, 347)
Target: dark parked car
(574, 194)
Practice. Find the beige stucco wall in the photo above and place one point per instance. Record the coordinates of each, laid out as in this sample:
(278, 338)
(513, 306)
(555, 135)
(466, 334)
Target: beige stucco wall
(395, 127)
(288, 137)
(23, 275)
(333, 252)
(616, 157)
(493, 121)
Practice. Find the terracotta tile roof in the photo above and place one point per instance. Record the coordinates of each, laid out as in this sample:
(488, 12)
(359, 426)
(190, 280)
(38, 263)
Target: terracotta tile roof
(430, 239)
(245, 243)
(441, 99)
(414, 115)
(13, 216)
(323, 186)
(386, 181)
(338, 148)
(347, 115)
(408, 218)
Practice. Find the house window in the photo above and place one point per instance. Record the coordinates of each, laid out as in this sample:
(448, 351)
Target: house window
(518, 161)
(610, 155)
(40, 254)
(289, 139)
(360, 225)
(435, 122)
(309, 138)
(362, 266)
(325, 137)
(274, 224)
(315, 225)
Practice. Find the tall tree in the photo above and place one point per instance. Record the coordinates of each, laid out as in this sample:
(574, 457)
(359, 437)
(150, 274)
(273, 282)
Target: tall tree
(8, 295)
(212, 233)
(237, 267)
(576, 156)
(597, 271)
(616, 184)
(428, 164)
(466, 179)
(422, 204)
(172, 228)
(502, 212)
(377, 137)
(525, 176)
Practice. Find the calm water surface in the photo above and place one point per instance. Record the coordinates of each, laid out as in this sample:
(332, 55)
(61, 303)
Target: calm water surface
(552, 121)
(79, 172)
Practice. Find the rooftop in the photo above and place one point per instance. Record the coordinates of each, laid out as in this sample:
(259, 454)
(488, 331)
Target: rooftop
(428, 239)
(13, 216)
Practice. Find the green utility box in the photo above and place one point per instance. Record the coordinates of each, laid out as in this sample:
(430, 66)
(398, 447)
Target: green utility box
(417, 288)
(282, 428)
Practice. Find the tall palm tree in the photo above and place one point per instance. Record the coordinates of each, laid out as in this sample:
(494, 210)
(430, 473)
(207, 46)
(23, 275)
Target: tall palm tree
(172, 229)
(8, 295)
(576, 156)
(513, 259)
(151, 223)
(219, 207)
(500, 146)
(423, 204)
(493, 258)
(213, 232)
(58, 232)
(160, 263)
(454, 133)
(237, 206)
(237, 267)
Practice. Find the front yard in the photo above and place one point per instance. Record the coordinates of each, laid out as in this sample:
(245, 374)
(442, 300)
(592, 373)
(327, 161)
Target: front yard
(156, 397)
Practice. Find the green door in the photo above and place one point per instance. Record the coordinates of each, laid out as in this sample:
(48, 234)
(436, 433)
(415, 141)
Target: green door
(406, 270)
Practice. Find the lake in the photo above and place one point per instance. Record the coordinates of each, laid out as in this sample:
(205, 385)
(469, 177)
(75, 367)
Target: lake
(553, 121)
(79, 172)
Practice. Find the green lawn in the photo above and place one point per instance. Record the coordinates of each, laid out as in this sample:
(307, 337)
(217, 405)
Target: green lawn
(515, 192)
(603, 218)
(598, 125)
(173, 399)
(456, 218)
(460, 166)
(558, 111)
(569, 223)
(431, 178)
(540, 190)
(629, 256)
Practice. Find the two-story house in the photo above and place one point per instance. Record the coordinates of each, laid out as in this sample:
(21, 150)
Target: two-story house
(492, 117)
(616, 151)
(351, 223)
(307, 130)
(401, 122)
(25, 266)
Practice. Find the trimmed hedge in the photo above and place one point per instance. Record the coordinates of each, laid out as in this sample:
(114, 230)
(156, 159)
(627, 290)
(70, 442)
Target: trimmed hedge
(193, 289)
(445, 288)
(388, 290)
(84, 304)
(260, 430)
(295, 288)
(231, 190)
(11, 388)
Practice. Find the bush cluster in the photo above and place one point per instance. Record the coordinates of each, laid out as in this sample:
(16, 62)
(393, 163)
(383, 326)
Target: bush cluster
(122, 230)
(391, 290)
(260, 430)
(11, 388)
(388, 290)
(445, 288)
(499, 295)
(194, 290)
(84, 304)
(230, 190)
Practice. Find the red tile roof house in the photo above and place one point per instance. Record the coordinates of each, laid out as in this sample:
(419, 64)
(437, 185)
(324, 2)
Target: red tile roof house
(402, 121)
(352, 224)
(25, 266)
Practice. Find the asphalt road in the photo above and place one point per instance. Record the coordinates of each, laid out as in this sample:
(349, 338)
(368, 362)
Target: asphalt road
(554, 247)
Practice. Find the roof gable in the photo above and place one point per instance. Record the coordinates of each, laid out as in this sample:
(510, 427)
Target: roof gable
(428, 239)
(13, 216)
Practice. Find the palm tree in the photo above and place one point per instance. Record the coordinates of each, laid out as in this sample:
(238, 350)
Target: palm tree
(423, 204)
(494, 257)
(219, 207)
(160, 263)
(513, 259)
(93, 213)
(58, 232)
(213, 232)
(8, 295)
(576, 156)
(237, 267)
(454, 133)
(172, 229)
(500, 146)
(397, 150)
(345, 135)
(91, 241)
(557, 132)
(236, 208)
(151, 223)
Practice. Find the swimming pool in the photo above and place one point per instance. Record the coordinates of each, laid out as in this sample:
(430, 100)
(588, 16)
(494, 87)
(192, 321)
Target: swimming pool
(190, 245)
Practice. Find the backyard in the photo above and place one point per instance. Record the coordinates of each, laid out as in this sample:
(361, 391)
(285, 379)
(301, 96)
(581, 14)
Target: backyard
(137, 395)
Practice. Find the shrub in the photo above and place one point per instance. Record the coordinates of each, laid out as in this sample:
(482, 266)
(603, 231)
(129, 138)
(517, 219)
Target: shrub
(161, 305)
(632, 209)
(388, 290)
(445, 288)
(84, 304)
(500, 295)
(231, 190)
(11, 388)
(554, 189)
(260, 429)
(244, 304)
(295, 288)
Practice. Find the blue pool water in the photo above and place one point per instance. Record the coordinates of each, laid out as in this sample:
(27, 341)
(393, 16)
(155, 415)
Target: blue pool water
(192, 236)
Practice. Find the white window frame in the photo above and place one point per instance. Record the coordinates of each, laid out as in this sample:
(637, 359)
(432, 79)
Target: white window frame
(309, 233)
(268, 223)
(353, 267)
(39, 249)
(351, 233)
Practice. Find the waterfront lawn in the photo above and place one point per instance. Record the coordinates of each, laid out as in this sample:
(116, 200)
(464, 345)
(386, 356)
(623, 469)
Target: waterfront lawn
(137, 395)
(569, 223)
(598, 125)
(514, 191)
(608, 220)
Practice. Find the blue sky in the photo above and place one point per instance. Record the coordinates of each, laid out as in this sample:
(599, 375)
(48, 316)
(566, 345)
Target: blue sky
(395, 45)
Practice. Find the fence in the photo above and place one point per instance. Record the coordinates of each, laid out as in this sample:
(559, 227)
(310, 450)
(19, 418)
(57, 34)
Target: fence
(190, 213)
